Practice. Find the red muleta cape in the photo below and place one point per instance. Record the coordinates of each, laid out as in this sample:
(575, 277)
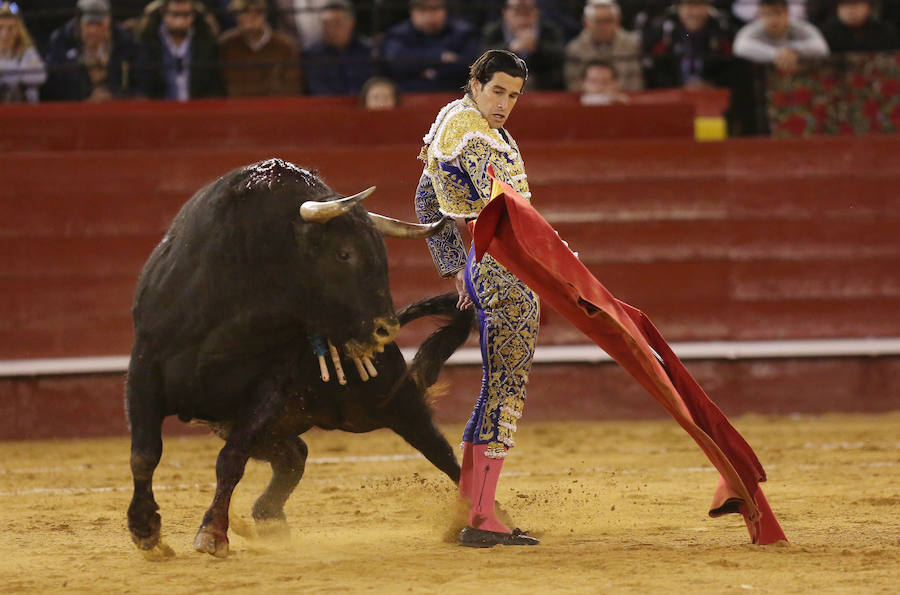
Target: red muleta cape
(520, 239)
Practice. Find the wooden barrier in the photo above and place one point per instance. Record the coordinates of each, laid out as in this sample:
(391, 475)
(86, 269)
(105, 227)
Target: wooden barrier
(316, 122)
(743, 239)
(78, 406)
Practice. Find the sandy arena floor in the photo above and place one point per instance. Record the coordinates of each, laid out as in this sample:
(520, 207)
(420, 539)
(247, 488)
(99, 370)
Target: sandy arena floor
(620, 507)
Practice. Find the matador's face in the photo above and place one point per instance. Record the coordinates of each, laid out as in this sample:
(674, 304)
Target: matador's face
(497, 97)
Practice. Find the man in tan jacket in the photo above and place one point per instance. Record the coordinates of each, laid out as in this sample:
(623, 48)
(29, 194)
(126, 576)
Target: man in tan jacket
(604, 39)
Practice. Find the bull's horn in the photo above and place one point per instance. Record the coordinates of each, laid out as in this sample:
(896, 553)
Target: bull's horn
(321, 212)
(395, 228)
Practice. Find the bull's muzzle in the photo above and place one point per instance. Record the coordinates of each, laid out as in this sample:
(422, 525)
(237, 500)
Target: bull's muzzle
(361, 353)
(385, 330)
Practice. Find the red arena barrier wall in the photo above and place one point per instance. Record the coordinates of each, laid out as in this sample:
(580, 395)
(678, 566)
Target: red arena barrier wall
(754, 239)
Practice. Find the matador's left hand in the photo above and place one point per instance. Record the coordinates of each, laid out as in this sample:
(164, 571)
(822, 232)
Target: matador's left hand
(464, 302)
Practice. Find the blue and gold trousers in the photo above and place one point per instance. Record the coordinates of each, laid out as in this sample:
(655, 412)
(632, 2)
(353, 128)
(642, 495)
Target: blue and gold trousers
(508, 319)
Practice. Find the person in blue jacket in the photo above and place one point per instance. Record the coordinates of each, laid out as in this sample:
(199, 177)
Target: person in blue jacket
(342, 62)
(429, 51)
(90, 58)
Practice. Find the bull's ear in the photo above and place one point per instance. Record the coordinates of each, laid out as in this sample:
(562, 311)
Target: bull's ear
(394, 228)
(313, 210)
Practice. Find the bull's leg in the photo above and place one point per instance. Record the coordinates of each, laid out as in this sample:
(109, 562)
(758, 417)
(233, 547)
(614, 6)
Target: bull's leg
(409, 416)
(145, 416)
(287, 456)
(212, 537)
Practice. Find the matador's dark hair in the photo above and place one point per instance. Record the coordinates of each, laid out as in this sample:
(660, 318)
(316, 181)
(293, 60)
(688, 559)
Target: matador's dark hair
(494, 61)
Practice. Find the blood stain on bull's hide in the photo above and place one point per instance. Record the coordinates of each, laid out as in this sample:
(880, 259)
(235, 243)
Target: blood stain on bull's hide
(268, 172)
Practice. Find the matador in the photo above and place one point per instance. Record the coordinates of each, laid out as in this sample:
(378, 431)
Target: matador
(466, 138)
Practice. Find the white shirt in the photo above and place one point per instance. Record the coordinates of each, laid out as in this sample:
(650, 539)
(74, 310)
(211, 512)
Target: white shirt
(746, 10)
(752, 42)
(309, 20)
(183, 78)
(26, 70)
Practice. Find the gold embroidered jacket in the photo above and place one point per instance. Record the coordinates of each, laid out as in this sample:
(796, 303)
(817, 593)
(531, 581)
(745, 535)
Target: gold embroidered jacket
(458, 148)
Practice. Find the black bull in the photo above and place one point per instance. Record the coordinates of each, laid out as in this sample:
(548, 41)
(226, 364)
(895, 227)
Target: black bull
(224, 314)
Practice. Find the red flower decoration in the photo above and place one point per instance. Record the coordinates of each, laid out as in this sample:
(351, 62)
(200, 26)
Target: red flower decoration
(828, 83)
(796, 125)
(845, 129)
(890, 87)
(802, 96)
(820, 113)
(871, 108)
(859, 81)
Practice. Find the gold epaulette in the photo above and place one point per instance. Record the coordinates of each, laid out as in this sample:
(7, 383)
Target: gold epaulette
(462, 125)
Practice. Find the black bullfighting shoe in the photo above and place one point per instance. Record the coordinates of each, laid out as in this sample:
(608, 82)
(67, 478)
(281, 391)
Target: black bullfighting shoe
(471, 537)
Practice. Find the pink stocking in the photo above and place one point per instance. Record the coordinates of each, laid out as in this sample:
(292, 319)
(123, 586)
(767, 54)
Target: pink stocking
(485, 474)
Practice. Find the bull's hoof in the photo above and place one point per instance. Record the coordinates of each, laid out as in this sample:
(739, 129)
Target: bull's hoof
(211, 541)
(146, 535)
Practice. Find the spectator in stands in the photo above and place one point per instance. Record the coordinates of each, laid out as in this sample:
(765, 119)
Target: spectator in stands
(565, 15)
(379, 93)
(257, 61)
(90, 58)
(600, 84)
(342, 62)
(745, 11)
(855, 29)
(21, 68)
(301, 20)
(522, 31)
(689, 46)
(215, 11)
(179, 54)
(776, 38)
(153, 10)
(604, 39)
(429, 51)
(637, 15)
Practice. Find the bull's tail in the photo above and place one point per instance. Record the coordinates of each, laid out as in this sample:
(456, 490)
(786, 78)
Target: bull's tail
(441, 344)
